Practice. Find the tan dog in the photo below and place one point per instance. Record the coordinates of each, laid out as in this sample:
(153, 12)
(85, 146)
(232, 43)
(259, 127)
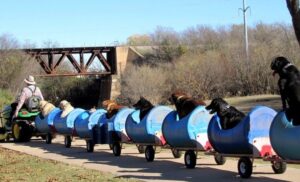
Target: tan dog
(112, 107)
(66, 107)
(45, 107)
(184, 103)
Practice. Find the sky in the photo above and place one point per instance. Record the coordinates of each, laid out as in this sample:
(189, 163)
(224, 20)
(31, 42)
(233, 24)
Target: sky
(83, 23)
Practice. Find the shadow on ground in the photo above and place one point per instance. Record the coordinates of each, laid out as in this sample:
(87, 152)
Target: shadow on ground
(135, 165)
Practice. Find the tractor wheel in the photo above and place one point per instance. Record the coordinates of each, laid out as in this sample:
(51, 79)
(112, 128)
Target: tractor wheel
(3, 135)
(21, 131)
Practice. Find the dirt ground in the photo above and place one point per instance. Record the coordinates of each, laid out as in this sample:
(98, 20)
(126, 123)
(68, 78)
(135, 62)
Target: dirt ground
(131, 164)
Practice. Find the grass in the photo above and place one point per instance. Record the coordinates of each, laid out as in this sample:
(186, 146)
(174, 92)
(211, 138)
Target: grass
(15, 166)
(5, 98)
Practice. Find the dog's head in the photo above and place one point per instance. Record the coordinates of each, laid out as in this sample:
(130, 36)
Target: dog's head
(107, 104)
(45, 107)
(42, 104)
(63, 105)
(142, 104)
(279, 64)
(66, 107)
(217, 105)
(111, 105)
(176, 96)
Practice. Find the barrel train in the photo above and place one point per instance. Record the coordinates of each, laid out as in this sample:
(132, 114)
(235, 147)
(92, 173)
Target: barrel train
(263, 133)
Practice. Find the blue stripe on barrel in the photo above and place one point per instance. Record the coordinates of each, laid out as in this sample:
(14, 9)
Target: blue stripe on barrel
(145, 131)
(117, 124)
(183, 133)
(45, 124)
(84, 125)
(65, 126)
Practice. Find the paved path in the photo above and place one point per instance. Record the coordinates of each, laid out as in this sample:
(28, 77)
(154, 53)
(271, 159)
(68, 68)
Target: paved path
(134, 165)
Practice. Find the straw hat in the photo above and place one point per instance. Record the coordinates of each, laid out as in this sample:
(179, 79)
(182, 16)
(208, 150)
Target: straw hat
(66, 107)
(29, 80)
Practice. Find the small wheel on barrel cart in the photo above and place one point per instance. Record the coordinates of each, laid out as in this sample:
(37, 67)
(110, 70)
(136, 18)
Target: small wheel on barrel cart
(116, 147)
(190, 159)
(90, 146)
(68, 141)
(149, 153)
(141, 148)
(219, 159)
(279, 167)
(176, 153)
(245, 167)
(48, 138)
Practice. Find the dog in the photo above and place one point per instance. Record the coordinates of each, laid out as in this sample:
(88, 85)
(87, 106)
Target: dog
(229, 116)
(112, 107)
(45, 107)
(184, 104)
(144, 106)
(289, 87)
(66, 108)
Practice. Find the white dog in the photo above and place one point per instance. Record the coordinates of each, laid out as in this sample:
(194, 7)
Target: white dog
(66, 107)
(45, 107)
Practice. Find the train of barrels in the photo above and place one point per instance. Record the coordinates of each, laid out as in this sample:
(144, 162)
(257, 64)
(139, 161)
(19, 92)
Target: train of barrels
(262, 134)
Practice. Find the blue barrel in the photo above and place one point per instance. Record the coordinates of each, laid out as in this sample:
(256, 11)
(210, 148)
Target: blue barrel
(243, 138)
(45, 124)
(84, 126)
(284, 137)
(100, 131)
(145, 131)
(188, 132)
(65, 125)
(116, 125)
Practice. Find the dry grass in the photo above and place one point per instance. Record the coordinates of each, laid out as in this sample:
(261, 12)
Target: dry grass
(15, 166)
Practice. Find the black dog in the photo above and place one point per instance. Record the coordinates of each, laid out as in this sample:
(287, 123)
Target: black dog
(144, 106)
(289, 87)
(229, 116)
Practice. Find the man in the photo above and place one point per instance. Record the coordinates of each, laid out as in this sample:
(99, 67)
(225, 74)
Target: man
(29, 90)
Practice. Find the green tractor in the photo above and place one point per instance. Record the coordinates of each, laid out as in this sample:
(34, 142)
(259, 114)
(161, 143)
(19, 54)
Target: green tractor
(21, 129)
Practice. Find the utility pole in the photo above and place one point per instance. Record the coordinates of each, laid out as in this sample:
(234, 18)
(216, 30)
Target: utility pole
(244, 10)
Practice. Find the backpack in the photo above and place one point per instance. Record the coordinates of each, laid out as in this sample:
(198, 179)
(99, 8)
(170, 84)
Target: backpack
(32, 103)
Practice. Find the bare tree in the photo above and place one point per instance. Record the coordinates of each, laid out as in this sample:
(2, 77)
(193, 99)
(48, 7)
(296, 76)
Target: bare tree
(293, 6)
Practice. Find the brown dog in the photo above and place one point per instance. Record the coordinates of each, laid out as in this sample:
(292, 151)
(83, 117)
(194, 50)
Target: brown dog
(184, 103)
(112, 107)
